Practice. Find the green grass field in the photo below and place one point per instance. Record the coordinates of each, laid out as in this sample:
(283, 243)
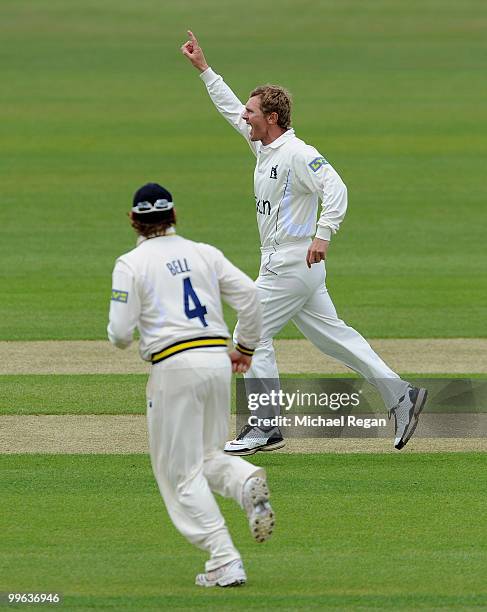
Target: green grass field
(97, 100)
(110, 394)
(353, 532)
(100, 101)
(73, 394)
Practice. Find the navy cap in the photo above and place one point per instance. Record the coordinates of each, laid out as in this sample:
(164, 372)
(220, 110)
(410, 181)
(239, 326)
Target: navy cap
(153, 204)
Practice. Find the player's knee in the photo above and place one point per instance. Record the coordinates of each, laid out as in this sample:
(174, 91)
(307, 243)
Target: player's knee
(179, 480)
(212, 461)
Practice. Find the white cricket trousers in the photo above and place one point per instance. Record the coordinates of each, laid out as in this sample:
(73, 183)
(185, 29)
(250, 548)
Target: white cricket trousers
(289, 290)
(188, 409)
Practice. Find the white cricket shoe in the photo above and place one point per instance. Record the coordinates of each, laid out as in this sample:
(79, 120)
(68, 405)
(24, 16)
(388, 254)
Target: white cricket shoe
(253, 439)
(406, 414)
(228, 575)
(255, 498)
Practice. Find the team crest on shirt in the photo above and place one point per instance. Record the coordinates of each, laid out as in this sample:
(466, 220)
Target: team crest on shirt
(316, 164)
(120, 296)
(274, 172)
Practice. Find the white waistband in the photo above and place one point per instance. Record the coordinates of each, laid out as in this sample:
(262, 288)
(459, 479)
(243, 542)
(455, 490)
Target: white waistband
(286, 245)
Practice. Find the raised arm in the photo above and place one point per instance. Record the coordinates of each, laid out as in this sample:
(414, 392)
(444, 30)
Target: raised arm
(194, 53)
(221, 95)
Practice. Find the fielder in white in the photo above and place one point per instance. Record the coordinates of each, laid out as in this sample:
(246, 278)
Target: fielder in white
(290, 179)
(171, 289)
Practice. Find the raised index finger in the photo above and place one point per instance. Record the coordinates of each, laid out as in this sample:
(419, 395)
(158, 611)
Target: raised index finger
(193, 37)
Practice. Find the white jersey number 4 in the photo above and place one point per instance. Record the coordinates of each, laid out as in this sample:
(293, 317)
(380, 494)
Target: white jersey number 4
(199, 311)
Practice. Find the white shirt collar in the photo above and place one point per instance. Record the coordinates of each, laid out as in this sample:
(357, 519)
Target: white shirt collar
(281, 140)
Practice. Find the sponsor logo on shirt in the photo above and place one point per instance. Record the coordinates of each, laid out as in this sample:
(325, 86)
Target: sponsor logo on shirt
(263, 207)
(274, 172)
(120, 296)
(317, 163)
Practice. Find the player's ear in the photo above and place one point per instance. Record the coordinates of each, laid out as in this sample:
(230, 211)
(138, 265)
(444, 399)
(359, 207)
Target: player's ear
(272, 118)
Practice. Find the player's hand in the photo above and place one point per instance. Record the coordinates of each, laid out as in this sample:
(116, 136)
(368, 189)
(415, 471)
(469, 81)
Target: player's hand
(194, 52)
(240, 363)
(317, 251)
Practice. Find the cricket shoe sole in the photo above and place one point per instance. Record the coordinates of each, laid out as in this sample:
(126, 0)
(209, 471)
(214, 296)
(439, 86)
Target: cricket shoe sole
(255, 497)
(267, 447)
(252, 439)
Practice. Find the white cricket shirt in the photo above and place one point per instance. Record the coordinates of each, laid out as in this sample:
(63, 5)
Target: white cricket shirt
(290, 179)
(171, 288)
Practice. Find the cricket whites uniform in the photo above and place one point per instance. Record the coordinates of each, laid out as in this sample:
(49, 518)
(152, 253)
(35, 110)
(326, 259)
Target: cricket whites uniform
(290, 180)
(170, 288)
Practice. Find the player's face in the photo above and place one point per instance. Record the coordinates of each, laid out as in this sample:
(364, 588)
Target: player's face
(254, 117)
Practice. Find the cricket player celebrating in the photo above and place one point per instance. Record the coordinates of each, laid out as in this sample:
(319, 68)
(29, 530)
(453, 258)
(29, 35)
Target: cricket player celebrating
(170, 289)
(290, 179)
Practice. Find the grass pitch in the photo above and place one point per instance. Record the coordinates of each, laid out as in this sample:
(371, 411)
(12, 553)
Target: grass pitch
(353, 532)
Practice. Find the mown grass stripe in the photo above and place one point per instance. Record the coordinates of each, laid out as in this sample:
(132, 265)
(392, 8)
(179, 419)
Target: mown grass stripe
(102, 393)
(95, 528)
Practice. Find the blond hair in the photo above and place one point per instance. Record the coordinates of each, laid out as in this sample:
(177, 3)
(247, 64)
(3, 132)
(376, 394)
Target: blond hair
(275, 99)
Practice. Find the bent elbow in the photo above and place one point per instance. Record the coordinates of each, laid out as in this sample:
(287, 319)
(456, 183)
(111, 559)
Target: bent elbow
(119, 339)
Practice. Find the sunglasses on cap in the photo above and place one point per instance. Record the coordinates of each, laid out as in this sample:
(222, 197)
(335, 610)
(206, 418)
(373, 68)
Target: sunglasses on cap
(149, 207)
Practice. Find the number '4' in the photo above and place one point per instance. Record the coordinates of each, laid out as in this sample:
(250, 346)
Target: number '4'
(198, 311)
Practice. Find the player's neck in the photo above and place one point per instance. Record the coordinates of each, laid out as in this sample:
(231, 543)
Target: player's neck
(170, 231)
(273, 133)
